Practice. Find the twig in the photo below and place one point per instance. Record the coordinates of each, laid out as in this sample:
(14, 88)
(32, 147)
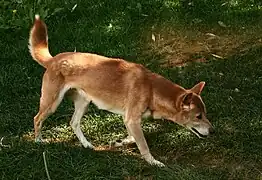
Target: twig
(46, 169)
(217, 56)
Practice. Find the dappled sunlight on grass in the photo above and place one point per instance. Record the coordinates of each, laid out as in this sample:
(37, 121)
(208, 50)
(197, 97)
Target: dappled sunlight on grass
(223, 42)
(171, 4)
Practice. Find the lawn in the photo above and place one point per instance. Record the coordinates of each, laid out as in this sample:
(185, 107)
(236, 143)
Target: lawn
(185, 41)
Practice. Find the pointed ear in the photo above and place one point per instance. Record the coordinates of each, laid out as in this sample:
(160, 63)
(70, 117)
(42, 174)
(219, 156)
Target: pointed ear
(198, 88)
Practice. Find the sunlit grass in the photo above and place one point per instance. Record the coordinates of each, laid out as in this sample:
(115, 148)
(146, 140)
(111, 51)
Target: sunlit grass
(124, 29)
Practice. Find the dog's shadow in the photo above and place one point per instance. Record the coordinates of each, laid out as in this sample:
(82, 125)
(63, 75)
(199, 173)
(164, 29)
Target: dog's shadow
(64, 159)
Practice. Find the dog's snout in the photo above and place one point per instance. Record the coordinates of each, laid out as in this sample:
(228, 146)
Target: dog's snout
(211, 130)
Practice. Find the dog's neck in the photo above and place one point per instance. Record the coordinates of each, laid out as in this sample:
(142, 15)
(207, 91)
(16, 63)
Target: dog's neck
(165, 96)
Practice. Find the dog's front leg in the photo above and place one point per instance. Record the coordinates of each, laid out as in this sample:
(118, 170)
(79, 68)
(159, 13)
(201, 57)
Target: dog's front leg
(134, 128)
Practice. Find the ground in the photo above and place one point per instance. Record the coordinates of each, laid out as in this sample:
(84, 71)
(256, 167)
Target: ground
(185, 41)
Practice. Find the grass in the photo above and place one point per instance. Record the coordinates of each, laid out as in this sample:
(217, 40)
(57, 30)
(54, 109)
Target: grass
(124, 29)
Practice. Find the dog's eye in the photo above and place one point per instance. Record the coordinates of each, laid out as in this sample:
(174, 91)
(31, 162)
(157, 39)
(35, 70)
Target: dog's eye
(199, 116)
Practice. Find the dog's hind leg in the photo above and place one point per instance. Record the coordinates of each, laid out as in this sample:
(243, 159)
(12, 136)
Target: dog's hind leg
(127, 140)
(52, 93)
(81, 104)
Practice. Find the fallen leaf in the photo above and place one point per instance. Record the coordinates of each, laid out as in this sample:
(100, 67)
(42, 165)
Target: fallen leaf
(221, 24)
(153, 37)
(211, 34)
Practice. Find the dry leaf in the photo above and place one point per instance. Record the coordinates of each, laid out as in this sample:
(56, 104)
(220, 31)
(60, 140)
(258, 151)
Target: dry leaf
(153, 37)
(221, 24)
(211, 34)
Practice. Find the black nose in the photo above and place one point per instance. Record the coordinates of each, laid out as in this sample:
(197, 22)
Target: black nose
(211, 130)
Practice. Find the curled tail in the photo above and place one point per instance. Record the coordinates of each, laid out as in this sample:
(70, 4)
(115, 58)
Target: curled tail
(38, 42)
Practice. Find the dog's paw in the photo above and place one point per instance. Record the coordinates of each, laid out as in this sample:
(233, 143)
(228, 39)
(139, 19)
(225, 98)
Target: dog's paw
(157, 163)
(87, 144)
(40, 140)
(115, 144)
(152, 161)
(129, 140)
(126, 141)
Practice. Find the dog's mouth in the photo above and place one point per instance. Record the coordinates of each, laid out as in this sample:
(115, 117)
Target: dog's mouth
(197, 133)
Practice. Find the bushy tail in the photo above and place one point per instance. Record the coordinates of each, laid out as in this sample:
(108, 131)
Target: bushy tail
(38, 42)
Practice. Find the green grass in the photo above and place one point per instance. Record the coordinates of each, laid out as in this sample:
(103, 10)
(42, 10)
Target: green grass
(123, 29)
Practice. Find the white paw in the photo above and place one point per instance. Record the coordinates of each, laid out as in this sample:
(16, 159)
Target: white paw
(40, 140)
(127, 140)
(87, 144)
(151, 160)
(115, 144)
(157, 163)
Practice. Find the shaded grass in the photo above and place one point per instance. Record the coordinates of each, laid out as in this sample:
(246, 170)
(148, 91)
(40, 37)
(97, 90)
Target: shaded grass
(232, 97)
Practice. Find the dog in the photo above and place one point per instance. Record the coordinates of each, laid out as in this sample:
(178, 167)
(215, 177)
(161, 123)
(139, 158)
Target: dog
(115, 85)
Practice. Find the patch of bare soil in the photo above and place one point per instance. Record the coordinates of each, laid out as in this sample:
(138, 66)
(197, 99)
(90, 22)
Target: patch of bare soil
(181, 46)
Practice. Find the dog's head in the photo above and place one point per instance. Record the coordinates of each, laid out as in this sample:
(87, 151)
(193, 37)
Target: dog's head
(192, 114)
